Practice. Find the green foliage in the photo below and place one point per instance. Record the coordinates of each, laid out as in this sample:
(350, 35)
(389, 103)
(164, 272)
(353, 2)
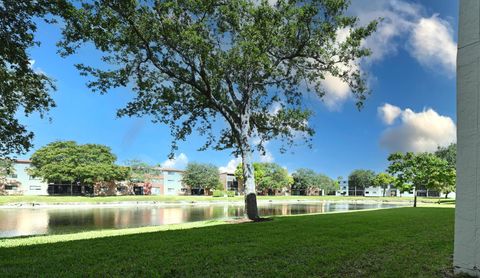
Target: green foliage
(202, 176)
(141, 171)
(24, 90)
(267, 176)
(218, 193)
(230, 193)
(66, 161)
(192, 62)
(424, 170)
(6, 167)
(448, 153)
(383, 180)
(307, 178)
(361, 178)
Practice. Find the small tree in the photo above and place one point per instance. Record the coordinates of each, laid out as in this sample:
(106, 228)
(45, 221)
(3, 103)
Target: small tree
(202, 176)
(383, 180)
(66, 161)
(6, 169)
(360, 179)
(420, 170)
(193, 62)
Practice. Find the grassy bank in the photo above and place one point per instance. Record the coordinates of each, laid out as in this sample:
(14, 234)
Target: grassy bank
(5, 200)
(403, 242)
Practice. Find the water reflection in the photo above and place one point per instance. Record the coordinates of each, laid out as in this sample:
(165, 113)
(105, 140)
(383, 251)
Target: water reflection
(24, 221)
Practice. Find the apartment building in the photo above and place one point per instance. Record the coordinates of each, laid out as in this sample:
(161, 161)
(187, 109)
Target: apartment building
(229, 182)
(21, 183)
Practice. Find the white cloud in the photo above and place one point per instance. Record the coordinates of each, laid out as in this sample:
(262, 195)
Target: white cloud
(231, 165)
(419, 132)
(432, 44)
(428, 39)
(275, 108)
(267, 156)
(398, 18)
(389, 113)
(178, 162)
(336, 92)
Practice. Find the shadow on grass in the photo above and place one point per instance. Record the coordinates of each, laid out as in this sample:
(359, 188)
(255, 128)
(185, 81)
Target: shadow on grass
(406, 242)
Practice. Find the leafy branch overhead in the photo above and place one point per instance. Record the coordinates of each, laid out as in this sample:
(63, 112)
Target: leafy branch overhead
(189, 62)
(24, 90)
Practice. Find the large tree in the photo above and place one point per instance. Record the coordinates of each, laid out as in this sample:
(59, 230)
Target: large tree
(360, 179)
(306, 179)
(193, 62)
(23, 89)
(68, 162)
(423, 170)
(202, 176)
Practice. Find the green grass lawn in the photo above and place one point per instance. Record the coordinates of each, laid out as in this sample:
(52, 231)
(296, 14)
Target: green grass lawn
(405, 242)
(4, 200)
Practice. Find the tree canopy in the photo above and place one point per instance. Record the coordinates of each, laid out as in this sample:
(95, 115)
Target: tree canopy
(66, 161)
(361, 178)
(141, 171)
(191, 63)
(268, 176)
(24, 90)
(6, 167)
(202, 176)
(449, 154)
(423, 170)
(307, 178)
(383, 180)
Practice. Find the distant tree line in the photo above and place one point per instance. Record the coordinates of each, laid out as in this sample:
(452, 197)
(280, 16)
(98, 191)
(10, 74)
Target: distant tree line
(410, 172)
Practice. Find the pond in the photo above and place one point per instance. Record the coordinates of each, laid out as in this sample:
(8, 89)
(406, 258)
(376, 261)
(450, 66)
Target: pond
(59, 220)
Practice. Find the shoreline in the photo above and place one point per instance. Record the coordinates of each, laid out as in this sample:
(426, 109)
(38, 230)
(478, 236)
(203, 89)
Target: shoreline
(44, 205)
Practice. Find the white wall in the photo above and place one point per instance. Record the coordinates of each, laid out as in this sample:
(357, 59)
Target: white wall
(28, 185)
(467, 212)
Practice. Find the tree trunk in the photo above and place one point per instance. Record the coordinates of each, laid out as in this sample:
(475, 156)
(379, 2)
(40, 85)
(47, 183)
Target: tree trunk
(243, 130)
(249, 179)
(384, 189)
(414, 197)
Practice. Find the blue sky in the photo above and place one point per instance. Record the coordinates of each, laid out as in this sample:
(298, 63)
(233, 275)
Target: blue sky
(412, 70)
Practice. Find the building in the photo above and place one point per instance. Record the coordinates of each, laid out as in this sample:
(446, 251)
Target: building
(343, 190)
(21, 183)
(160, 181)
(172, 182)
(378, 191)
(230, 183)
(164, 181)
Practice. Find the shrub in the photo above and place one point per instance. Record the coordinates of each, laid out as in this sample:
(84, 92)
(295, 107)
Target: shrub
(217, 193)
(231, 193)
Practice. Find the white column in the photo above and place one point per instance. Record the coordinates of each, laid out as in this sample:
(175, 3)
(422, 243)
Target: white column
(467, 212)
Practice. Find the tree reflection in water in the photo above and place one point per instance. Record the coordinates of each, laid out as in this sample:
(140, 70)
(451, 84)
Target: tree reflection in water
(35, 221)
